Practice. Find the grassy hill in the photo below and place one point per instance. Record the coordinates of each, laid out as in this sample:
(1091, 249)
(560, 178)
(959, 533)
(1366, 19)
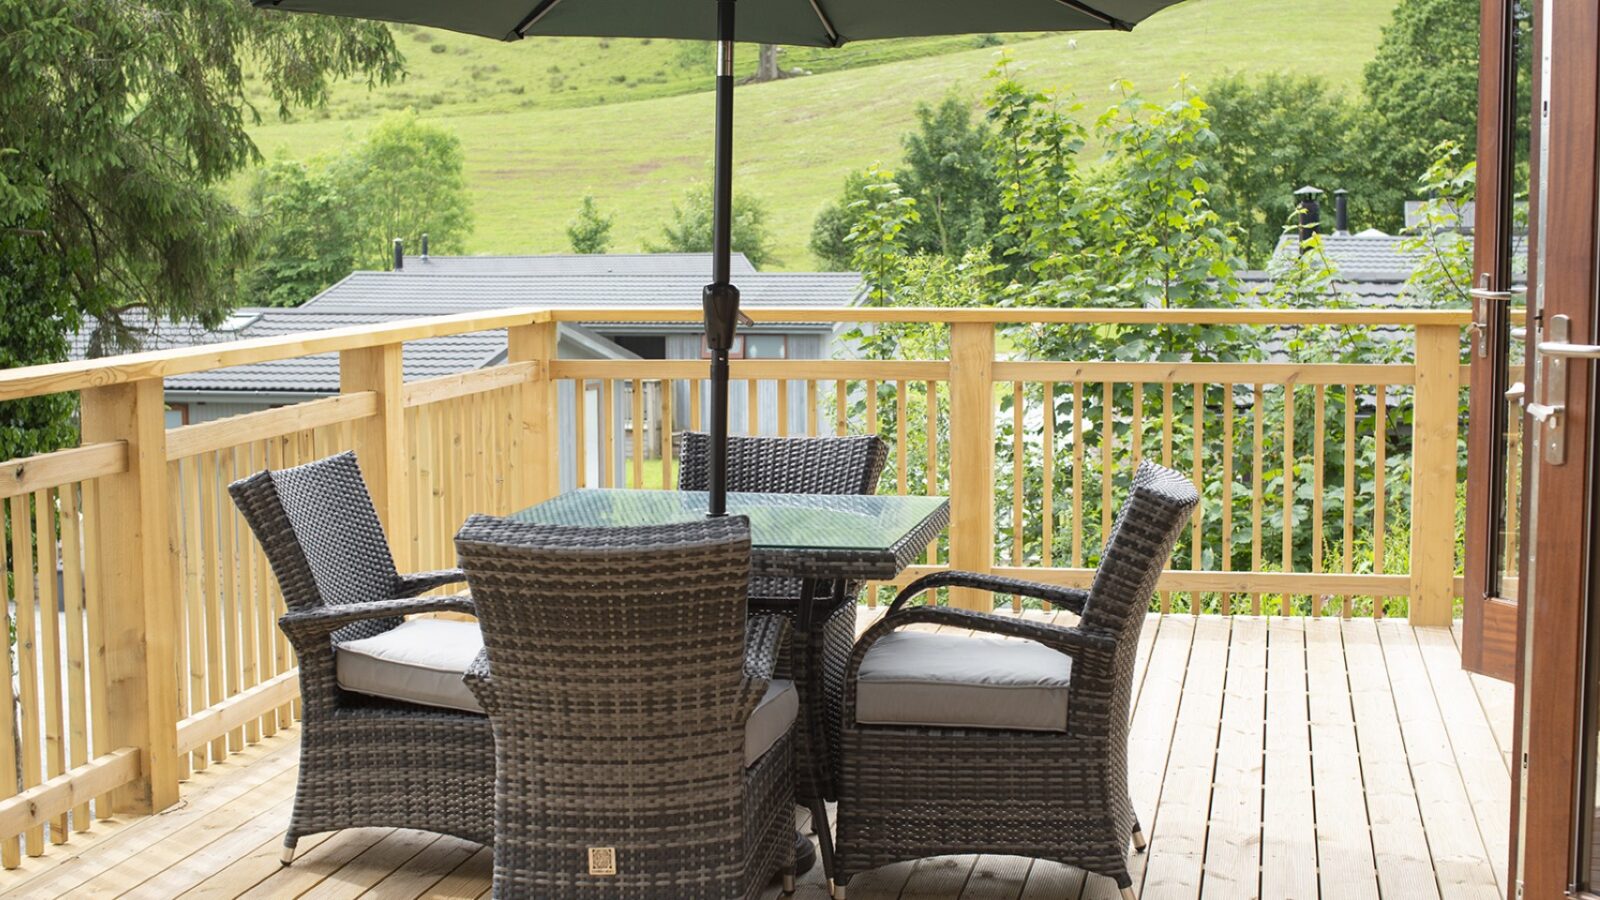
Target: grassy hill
(546, 121)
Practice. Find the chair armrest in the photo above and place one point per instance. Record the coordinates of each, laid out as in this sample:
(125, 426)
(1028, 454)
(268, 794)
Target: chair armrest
(328, 619)
(421, 582)
(1070, 599)
(478, 679)
(763, 640)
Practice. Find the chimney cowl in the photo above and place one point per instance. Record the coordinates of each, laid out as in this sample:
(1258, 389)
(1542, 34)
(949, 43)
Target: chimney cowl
(424, 245)
(1308, 213)
(1341, 211)
(399, 254)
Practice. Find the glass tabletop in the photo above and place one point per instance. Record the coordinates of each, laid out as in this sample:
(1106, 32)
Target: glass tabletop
(790, 522)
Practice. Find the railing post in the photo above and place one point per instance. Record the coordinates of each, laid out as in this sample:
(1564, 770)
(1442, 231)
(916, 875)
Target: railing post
(381, 440)
(1433, 474)
(139, 612)
(538, 452)
(971, 456)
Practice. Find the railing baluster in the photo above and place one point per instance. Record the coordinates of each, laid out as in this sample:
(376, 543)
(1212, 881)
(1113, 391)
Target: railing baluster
(10, 847)
(27, 653)
(636, 431)
(668, 482)
(1349, 535)
(1077, 474)
(932, 437)
(1018, 483)
(55, 757)
(1047, 512)
(813, 407)
(1108, 440)
(1255, 495)
(1226, 547)
(1285, 604)
(1166, 460)
(609, 414)
(580, 437)
(783, 407)
(1196, 528)
(841, 407)
(1318, 411)
(79, 701)
(1380, 434)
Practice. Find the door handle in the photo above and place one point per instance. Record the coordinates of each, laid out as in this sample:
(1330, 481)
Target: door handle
(1482, 299)
(1551, 413)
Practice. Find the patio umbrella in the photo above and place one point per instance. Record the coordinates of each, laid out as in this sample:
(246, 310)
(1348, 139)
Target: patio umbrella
(810, 23)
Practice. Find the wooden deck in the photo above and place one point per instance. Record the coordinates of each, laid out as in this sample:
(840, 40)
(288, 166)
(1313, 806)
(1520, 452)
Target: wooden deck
(1273, 758)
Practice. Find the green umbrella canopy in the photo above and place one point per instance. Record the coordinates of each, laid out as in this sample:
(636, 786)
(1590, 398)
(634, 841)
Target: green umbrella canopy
(810, 23)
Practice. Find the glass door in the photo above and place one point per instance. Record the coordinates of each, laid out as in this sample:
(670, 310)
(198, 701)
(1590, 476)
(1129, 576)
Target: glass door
(1507, 163)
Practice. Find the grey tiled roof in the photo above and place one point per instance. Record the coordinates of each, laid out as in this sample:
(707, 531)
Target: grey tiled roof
(412, 294)
(696, 264)
(1370, 254)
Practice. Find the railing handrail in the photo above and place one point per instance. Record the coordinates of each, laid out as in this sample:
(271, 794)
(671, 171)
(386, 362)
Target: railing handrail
(31, 381)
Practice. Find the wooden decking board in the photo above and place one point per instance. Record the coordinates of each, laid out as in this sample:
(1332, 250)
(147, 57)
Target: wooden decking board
(1400, 847)
(1344, 837)
(1460, 860)
(1472, 744)
(1233, 841)
(1180, 825)
(1306, 758)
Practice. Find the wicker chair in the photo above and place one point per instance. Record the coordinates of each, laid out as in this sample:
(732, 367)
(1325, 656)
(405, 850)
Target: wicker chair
(364, 760)
(643, 749)
(1058, 699)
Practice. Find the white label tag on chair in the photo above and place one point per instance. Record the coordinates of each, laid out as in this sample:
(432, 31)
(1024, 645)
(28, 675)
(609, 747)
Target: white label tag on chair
(602, 860)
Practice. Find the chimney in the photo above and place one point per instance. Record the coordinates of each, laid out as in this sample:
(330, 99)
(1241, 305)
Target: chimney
(1341, 212)
(399, 255)
(1309, 213)
(425, 244)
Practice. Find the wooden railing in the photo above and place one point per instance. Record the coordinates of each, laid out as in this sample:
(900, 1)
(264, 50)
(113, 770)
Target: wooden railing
(144, 612)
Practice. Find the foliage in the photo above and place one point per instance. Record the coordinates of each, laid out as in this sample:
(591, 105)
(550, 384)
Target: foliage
(37, 312)
(405, 179)
(688, 230)
(1422, 90)
(590, 232)
(120, 122)
(308, 230)
(947, 168)
(1443, 272)
(1274, 134)
(881, 217)
(324, 218)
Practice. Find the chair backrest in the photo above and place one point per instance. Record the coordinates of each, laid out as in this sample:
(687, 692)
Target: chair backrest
(320, 531)
(787, 465)
(610, 646)
(1147, 527)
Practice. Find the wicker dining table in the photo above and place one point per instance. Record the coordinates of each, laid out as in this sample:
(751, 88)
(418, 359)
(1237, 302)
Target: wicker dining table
(830, 542)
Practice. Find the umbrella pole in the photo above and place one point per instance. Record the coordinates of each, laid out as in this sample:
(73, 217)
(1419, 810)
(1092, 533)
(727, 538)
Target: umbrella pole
(720, 298)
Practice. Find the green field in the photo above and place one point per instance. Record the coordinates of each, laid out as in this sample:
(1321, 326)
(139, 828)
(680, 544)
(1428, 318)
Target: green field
(545, 121)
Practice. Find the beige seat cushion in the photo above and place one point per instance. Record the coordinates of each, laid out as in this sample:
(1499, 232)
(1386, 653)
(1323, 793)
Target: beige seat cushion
(773, 716)
(420, 661)
(952, 681)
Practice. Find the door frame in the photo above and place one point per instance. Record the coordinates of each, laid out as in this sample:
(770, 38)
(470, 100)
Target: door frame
(1489, 621)
(1556, 584)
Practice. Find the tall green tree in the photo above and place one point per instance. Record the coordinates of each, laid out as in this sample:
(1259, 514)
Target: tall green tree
(405, 179)
(688, 229)
(309, 234)
(1422, 90)
(324, 218)
(1274, 134)
(590, 232)
(120, 121)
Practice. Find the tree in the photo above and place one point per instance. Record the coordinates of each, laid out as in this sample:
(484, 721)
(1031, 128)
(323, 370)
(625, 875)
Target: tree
(590, 232)
(37, 311)
(881, 215)
(1422, 90)
(403, 180)
(324, 218)
(309, 233)
(948, 169)
(1442, 276)
(689, 228)
(767, 64)
(120, 123)
(1274, 134)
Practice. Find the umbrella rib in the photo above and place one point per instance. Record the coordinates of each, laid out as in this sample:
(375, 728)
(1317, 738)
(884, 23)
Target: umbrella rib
(1115, 23)
(827, 25)
(533, 18)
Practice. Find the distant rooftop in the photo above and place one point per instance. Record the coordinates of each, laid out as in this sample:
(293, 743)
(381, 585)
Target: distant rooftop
(697, 264)
(411, 294)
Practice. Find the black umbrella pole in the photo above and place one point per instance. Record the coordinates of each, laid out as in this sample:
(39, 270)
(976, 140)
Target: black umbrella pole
(720, 298)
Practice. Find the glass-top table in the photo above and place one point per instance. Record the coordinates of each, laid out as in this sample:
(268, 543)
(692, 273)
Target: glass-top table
(795, 535)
